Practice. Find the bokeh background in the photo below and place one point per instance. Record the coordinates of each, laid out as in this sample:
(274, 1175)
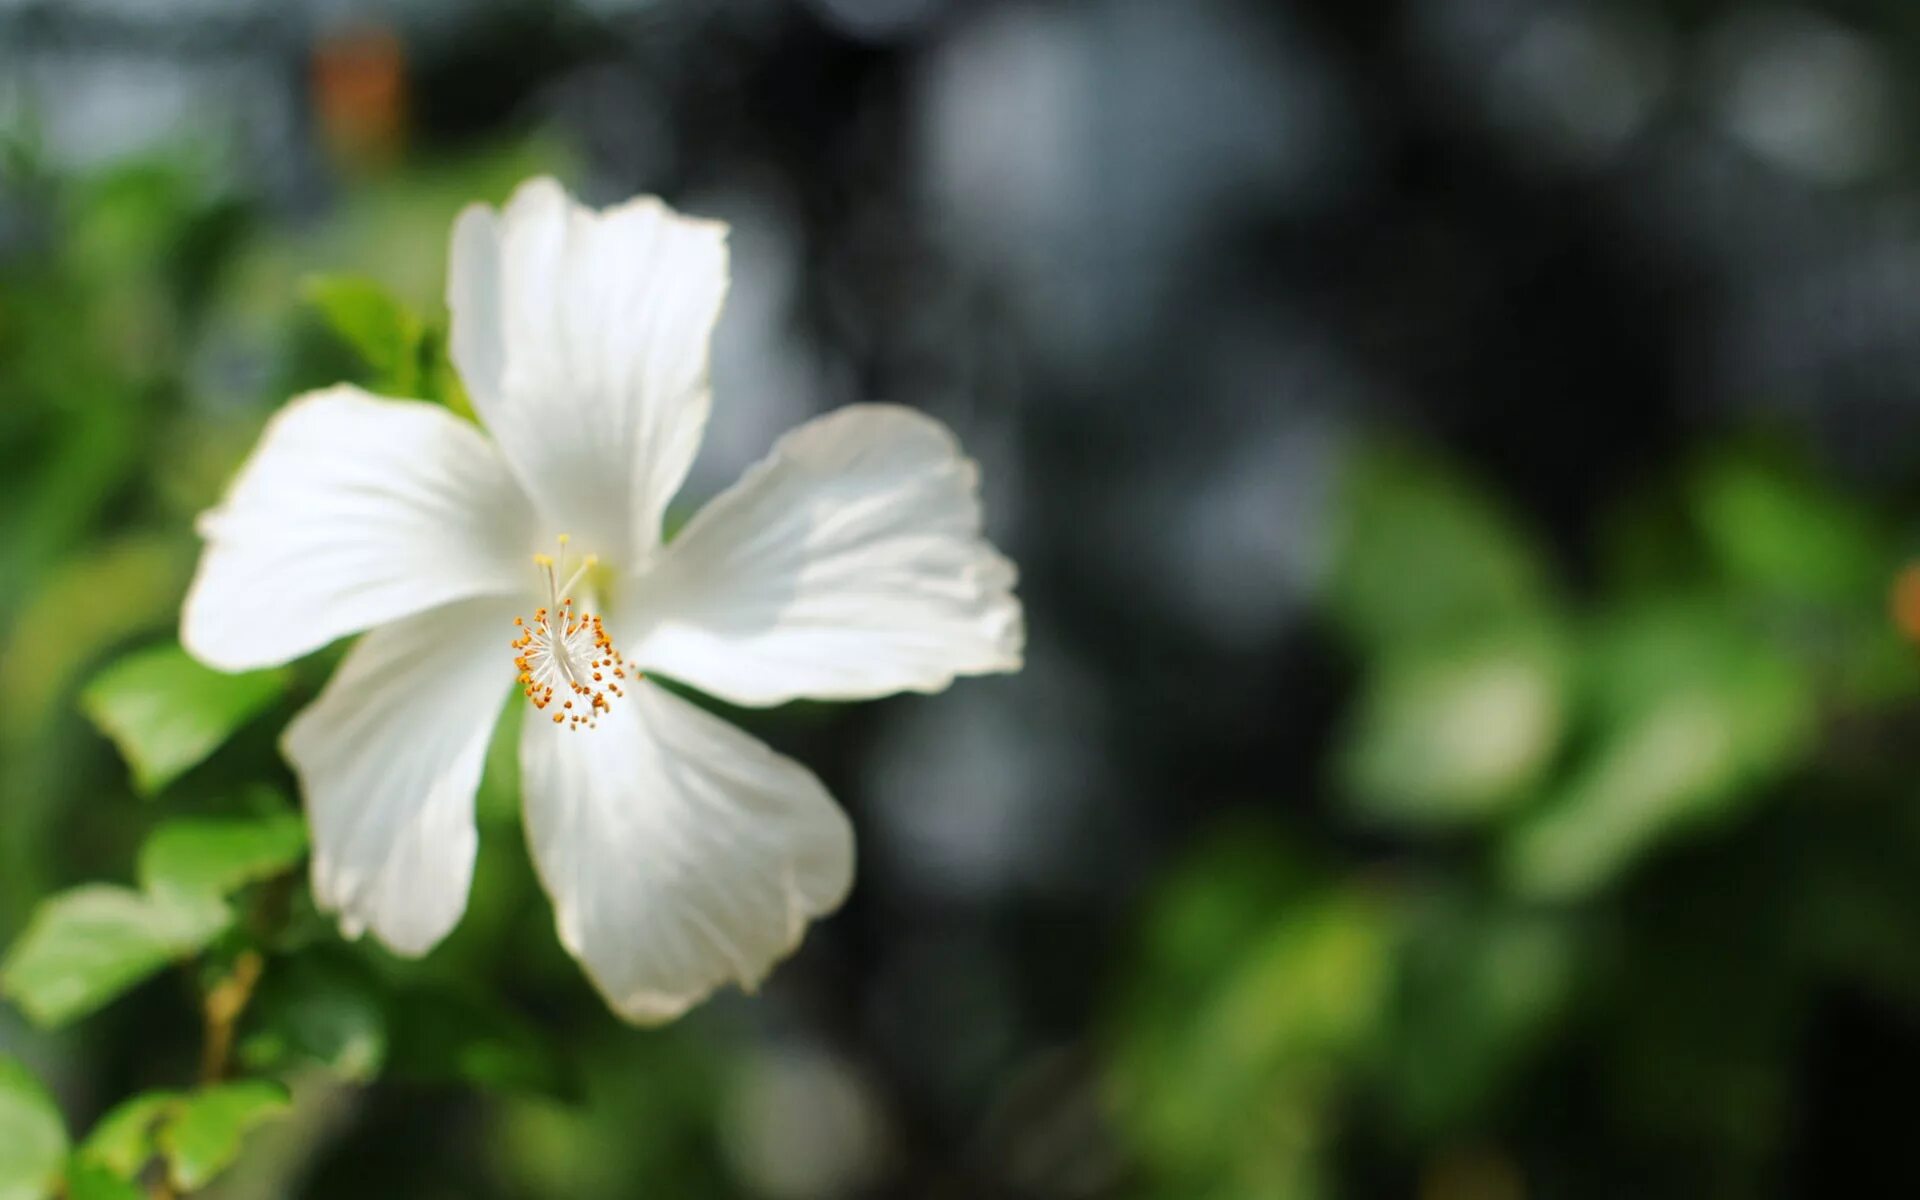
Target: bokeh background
(1461, 454)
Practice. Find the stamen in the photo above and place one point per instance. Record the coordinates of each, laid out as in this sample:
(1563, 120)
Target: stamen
(563, 652)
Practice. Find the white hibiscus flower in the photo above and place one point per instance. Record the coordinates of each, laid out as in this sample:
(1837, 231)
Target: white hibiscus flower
(680, 853)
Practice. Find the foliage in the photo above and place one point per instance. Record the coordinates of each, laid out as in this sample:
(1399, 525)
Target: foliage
(1596, 824)
(219, 892)
(166, 712)
(33, 1141)
(1548, 768)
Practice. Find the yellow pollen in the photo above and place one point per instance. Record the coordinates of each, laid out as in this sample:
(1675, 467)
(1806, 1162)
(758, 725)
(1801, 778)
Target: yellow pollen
(564, 648)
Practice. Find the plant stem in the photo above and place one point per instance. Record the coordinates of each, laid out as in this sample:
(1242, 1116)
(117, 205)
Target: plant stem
(225, 1002)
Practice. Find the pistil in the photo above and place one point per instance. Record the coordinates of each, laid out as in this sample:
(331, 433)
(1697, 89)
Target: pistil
(568, 665)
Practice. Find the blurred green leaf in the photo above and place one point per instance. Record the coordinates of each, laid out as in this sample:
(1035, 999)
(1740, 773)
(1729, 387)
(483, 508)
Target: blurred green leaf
(496, 803)
(379, 328)
(218, 855)
(1696, 712)
(86, 946)
(1478, 988)
(104, 594)
(1777, 534)
(88, 1182)
(1780, 532)
(443, 1037)
(198, 1134)
(33, 1137)
(204, 1137)
(1421, 557)
(1455, 734)
(647, 1105)
(1644, 543)
(123, 1141)
(1226, 1061)
(167, 712)
(320, 1009)
(95, 599)
(441, 379)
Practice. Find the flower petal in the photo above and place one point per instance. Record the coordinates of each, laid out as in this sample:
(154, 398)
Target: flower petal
(353, 510)
(680, 852)
(389, 757)
(849, 563)
(582, 337)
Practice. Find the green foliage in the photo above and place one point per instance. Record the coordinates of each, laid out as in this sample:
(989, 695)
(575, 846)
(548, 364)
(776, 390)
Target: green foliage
(103, 594)
(167, 712)
(1645, 820)
(110, 449)
(1451, 609)
(1262, 983)
(196, 1135)
(318, 1009)
(86, 946)
(123, 1142)
(1639, 806)
(203, 1135)
(1776, 531)
(87, 1182)
(216, 856)
(646, 1110)
(443, 1036)
(1695, 714)
(33, 1138)
(1480, 986)
(385, 334)
(1457, 733)
(403, 355)
(1421, 558)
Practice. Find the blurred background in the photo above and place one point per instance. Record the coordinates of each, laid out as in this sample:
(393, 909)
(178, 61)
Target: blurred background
(1461, 454)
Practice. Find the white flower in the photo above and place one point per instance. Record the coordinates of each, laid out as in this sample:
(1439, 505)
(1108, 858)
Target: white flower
(680, 853)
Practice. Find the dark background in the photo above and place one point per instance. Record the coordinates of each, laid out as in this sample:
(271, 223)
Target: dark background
(1264, 319)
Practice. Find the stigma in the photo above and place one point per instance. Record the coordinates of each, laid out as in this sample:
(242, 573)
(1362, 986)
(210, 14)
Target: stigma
(568, 666)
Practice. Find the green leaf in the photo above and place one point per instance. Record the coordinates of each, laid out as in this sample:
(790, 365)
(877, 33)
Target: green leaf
(95, 600)
(1822, 562)
(86, 946)
(1697, 712)
(216, 856)
(33, 1138)
(1421, 558)
(1262, 985)
(385, 334)
(88, 1182)
(124, 1140)
(206, 1135)
(317, 1009)
(440, 1036)
(197, 1134)
(1479, 988)
(1780, 532)
(1456, 734)
(167, 712)
(440, 378)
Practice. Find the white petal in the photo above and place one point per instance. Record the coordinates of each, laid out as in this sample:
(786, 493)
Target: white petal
(352, 511)
(389, 757)
(849, 563)
(680, 853)
(582, 337)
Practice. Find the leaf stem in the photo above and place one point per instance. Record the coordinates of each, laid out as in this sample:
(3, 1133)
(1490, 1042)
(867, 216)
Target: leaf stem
(225, 1002)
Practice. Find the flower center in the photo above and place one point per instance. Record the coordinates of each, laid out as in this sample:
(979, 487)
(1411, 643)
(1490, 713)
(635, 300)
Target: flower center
(568, 665)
